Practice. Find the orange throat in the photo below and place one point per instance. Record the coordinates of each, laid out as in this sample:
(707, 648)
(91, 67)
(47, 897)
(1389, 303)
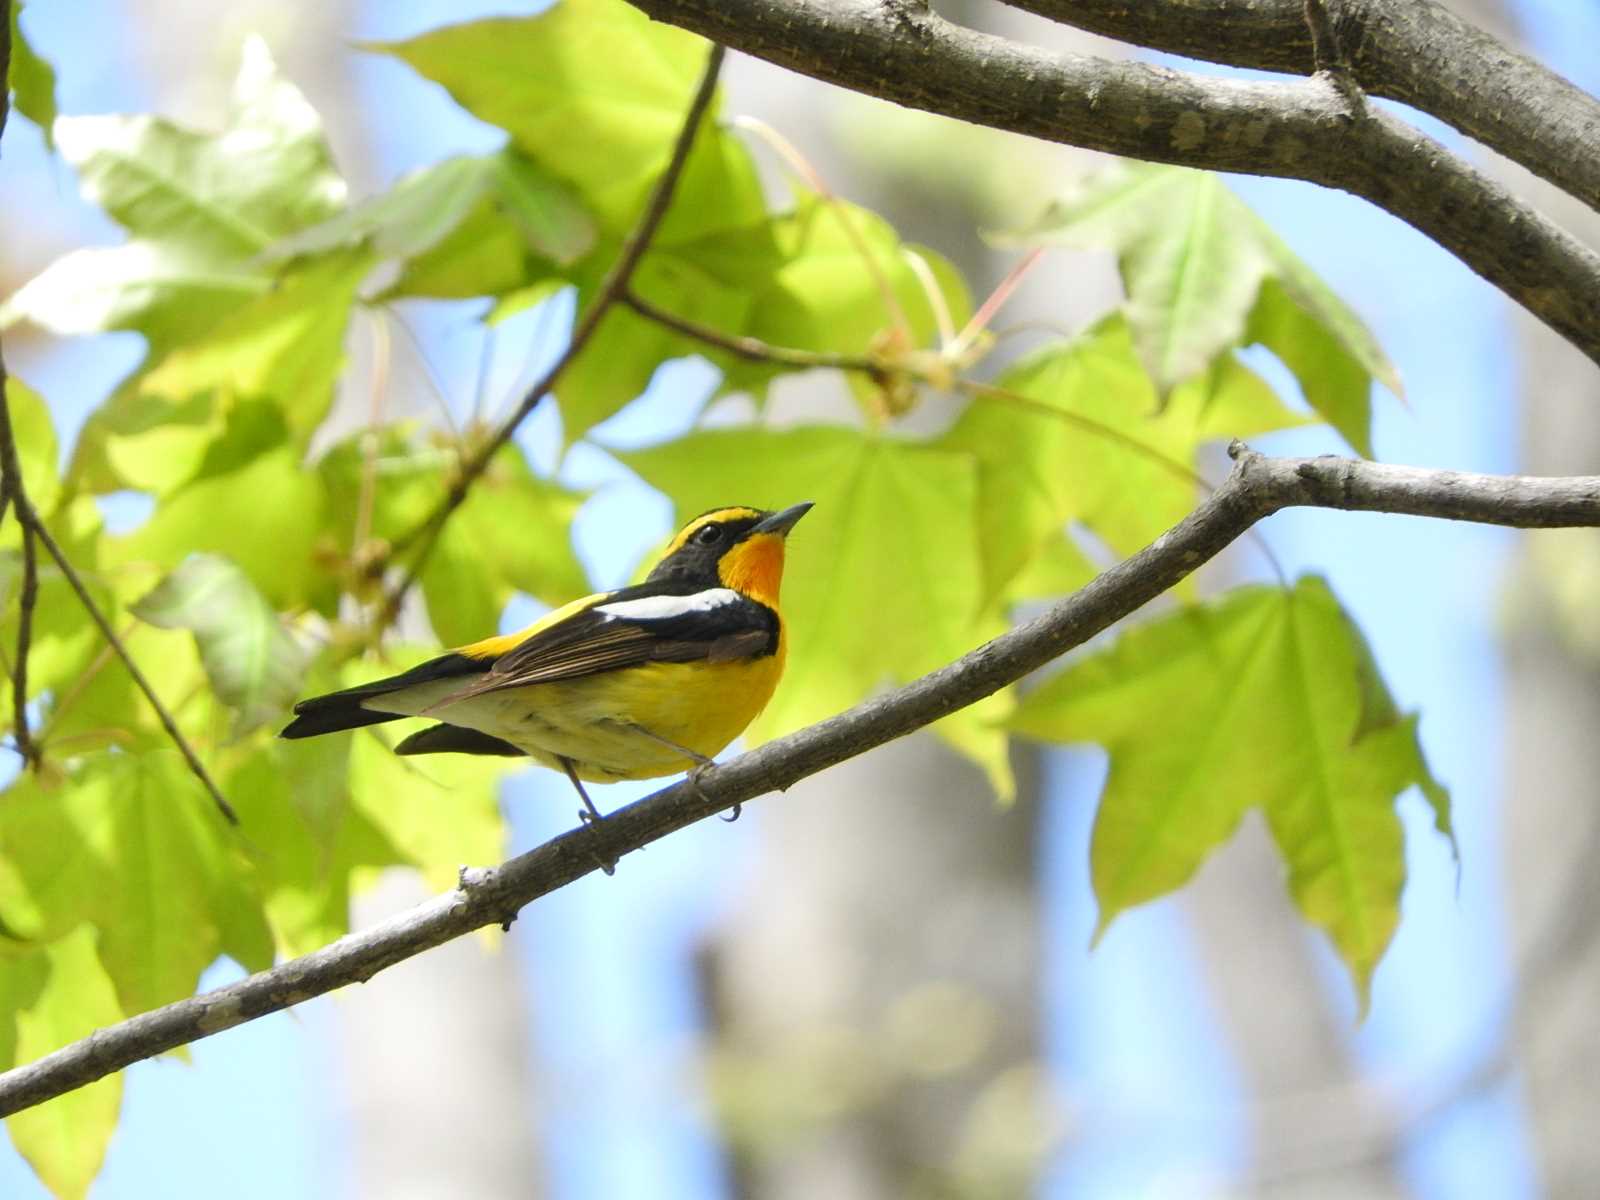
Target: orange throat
(755, 568)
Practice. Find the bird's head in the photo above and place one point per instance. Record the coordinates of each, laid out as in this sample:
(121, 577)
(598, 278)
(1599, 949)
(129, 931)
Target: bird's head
(739, 548)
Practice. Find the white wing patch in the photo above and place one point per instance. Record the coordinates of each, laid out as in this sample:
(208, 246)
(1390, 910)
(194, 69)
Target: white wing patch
(659, 608)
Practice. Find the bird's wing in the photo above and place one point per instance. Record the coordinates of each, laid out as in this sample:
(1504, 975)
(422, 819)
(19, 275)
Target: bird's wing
(653, 622)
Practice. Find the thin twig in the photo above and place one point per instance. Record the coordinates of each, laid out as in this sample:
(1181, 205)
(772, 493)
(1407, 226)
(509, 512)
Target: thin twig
(143, 684)
(1327, 53)
(1257, 487)
(26, 601)
(426, 535)
(754, 349)
(12, 493)
(17, 498)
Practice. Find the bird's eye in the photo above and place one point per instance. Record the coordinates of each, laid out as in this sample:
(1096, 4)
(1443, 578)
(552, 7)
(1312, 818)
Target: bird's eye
(708, 535)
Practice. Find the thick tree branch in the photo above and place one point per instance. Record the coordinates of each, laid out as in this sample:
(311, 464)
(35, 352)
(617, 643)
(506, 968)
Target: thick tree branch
(611, 291)
(1415, 51)
(1257, 487)
(905, 53)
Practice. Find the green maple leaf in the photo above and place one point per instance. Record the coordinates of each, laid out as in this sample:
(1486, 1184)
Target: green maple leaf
(33, 80)
(884, 580)
(250, 500)
(53, 995)
(595, 92)
(286, 346)
(328, 811)
(294, 799)
(468, 226)
(1196, 263)
(253, 665)
(1266, 698)
(199, 209)
(134, 845)
(1092, 444)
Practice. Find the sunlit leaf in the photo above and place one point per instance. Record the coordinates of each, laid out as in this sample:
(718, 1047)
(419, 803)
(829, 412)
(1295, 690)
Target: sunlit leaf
(162, 291)
(66, 995)
(1089, 442)
(134, 844)
(225, 195)
(33, 80)
(199, 208)
(252, 502)
(37, 452)
(440, 812)
(503, 198)
(1193, 259)
(595, 92)
(824, 277)
(288, 345)
(884, 579)
(512, 534)
(1268, 700)
(294, 799)
(253, 665)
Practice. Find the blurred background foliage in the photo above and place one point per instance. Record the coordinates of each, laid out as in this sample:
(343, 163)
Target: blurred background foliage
(243, 497)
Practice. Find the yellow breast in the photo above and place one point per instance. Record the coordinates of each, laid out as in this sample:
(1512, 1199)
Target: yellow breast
(628, 724)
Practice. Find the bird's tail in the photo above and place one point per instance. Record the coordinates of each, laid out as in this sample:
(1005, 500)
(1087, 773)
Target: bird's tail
(331, 713)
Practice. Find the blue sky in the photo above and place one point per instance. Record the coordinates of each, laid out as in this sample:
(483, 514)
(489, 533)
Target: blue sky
(258, 1106)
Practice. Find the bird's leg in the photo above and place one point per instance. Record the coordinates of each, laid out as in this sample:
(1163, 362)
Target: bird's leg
(701, 762)
(588, 814)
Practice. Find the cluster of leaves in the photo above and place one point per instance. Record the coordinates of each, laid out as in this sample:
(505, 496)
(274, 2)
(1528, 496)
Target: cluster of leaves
(257, 576)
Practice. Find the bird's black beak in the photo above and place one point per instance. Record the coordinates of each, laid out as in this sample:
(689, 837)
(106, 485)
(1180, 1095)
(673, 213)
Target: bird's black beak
(781, 522)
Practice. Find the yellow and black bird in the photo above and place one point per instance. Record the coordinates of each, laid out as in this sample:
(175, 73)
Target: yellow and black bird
(632, 684)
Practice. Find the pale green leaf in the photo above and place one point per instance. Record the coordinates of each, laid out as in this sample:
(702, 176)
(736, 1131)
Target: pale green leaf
(1268, 701)
(287, 346)
(253, 665)
(1082, 437)
(423, 208)
(513, 533)
(65, 1139)
(265, 513)
(162, 291)
(37, 452)
(33, 80)
(1194, 259)
(225, 196)
(133, 843)
(596, 92)
(294, 799)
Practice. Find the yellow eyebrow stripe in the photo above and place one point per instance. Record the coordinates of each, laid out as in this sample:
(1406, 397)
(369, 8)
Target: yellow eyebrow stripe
(737, 513)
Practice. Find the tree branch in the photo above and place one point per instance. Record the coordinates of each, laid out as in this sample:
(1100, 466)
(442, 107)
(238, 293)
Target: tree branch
(75, 581)
(910, 55)
(14, 498)
(1417, 52)
(611, 290)
(1257, 487)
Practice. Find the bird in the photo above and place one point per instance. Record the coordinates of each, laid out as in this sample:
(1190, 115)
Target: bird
(637, 683)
